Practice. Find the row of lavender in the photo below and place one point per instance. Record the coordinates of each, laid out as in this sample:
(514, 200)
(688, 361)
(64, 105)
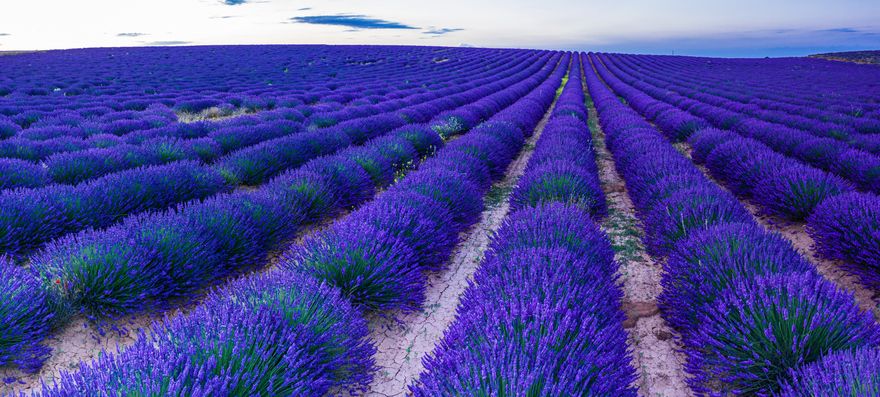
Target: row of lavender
(299, 330)
(67, 123)
(156, 260)
(64, 150)
(119, 90)
(752, 313)
(542, 315)
(33, 217)
(844, 223)
(860, 167)
(836, 102)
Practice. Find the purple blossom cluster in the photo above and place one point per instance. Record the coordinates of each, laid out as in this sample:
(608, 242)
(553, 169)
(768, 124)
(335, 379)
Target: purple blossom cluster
(32, 217)
(843, 223)
(847, 228)
(749, 309)
(843, 373)
(25, 317)
(781, 186)
(542, 315)
(275, 334)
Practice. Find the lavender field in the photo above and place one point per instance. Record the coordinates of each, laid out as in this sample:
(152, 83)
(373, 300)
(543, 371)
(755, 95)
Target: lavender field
(310, 220)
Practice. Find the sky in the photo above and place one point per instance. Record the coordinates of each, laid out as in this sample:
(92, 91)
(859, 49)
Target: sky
(742, 28)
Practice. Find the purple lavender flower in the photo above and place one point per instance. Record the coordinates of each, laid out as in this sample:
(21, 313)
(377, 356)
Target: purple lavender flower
(688, 211)
(372, 268)
(837, 374)
(759, 330)
(703, 266)
(26, 317)
(560, 181)
(793, 192)
(847, 228)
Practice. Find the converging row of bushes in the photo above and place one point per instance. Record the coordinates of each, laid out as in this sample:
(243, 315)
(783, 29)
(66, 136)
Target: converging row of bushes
(68, 127)
(205, 141)
(859, 167)
(542, 315)
(154, 260)
(752, 313)
(299, 330)
(798, 100)
(845, 224)
(33, 217)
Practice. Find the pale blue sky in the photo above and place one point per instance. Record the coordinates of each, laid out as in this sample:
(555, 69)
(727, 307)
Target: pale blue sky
(692, 27)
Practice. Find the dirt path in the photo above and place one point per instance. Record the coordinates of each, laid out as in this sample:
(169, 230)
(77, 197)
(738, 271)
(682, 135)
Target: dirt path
(656, 351)
(796, 233)
(402, 340)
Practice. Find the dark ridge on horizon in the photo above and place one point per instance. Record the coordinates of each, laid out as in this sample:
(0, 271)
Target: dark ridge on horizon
(866, 57)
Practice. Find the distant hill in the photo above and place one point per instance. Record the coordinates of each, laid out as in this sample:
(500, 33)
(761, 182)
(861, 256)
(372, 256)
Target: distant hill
(869, 57)
(2, 53)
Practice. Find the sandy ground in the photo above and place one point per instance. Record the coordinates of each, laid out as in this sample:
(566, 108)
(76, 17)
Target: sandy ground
(76, 342)
(402, 340)
(655, 345)
(796, 233)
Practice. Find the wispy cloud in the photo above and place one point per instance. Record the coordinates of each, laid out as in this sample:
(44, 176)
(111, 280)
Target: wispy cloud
(167, 43)
(5, 34)
(841, 30)
(131, 34)
(441, 31)
(351, 21)
(224, 17)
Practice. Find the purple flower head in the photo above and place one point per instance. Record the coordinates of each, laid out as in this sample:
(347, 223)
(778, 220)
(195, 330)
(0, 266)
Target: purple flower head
(338, 331)
(397, 150)
(485, 147)
(744, 164)
(793, 192)
(462, 162)
(847, 228)
(760, 329)
(352, 184)
(26, 317)
(555, 226)
(688, 211)
(704, 265)
(512, 338)
(306, 193)
(704, 141)
(459, 196)
(560, 181)
(861, 168)
(424, 227)
(819, 152)
(379, 168)
(372, 268)
(422, 137)
(837, 374)
(19, 173)
(200, 354)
